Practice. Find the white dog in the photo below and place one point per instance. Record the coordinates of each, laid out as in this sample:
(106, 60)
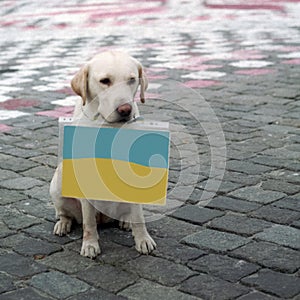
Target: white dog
(107, 85)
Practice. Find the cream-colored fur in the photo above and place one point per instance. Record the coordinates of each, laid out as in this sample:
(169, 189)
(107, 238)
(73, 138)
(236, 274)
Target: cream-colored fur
(107, 85)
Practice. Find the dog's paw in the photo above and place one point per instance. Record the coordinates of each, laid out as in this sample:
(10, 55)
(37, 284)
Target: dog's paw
(145, 244)
(62, 227)
(90, 249)
(124, 223)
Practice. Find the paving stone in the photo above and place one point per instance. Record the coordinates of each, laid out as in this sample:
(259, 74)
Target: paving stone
(151, 290)
(38, 192)
(281, 186)
(282, 235)
(10, 196)
(247, 167)
(208, 287)
(215, 240)
(25, 294)
(107, 277)
(21, 183)
(289, 203)
(45, 231)
(159, 270)
(270, 255)
(276, 214)
(257, 296)
(111, 253)
(58, 285)
(173, 250)
(6, 174)
(241, 178)
(98, 294)
(29, 246)
(279, 284)
(67, 262)
(17, 220)
(46, 160)
(195, 214)
(5, 231)
(36, 208)
(42, 173)
(20, 266)
(171, 228)
(236, 205)
(239, 224)
(16, 164)
(224, 267)
(257, 194)
(6, 282)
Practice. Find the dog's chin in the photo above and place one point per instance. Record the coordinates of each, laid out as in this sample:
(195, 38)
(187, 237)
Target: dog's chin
(118, 119)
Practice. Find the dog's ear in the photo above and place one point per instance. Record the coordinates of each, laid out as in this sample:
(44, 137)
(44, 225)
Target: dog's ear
(143, 82)
(79, 83)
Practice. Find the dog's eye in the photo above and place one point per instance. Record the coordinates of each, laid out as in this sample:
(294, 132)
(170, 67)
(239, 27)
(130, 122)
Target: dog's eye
(105, 81)
(131, 80)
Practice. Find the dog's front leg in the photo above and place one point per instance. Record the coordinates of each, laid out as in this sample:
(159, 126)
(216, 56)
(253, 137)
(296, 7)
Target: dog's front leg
(90, 245)
(143, 241)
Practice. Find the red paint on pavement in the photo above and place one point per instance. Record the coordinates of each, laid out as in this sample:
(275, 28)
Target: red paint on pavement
(5, 128)
(18, 103)
(254, 72)
(201, 83)
(295, 61)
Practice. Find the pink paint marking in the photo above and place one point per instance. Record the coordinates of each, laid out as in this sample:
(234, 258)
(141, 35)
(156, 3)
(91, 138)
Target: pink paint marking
(66, 111)
(5, 128)
(247, 54)
(67, 91)
(203, 18)
(295, 61)
(153, 77)
(15, 104)
(245, 6)
(201, 83)
(254, 72)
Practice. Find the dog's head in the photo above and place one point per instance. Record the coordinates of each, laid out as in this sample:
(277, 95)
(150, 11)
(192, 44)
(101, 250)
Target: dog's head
(111, 79)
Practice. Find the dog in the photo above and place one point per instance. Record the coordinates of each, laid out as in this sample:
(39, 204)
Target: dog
(107, 85)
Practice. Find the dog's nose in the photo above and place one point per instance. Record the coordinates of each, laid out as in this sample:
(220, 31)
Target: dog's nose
(124, 110)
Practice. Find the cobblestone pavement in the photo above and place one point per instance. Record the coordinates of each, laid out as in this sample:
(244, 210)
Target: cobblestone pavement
(239, 242)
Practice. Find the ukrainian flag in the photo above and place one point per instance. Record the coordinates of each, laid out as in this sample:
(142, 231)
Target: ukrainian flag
(115, 164)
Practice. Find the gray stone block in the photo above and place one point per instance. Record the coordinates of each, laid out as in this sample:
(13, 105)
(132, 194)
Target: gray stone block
(159, 270)
(6, 282)
(224, 267)
(195, 214)
(215, 240)
(173, 250)
(208, 287)
(58, 285)
(276, 214)
(270, 255)
(257, 194)
(96, 294)
(279, 284)
(289, 203)
(236, 205)
(239, 224)
(21, 183)
(20, 266)
(149, 290)
(107, 277)
(29, 246)
(282, 235)
(247, 167)
(26, 294)
(257, 296)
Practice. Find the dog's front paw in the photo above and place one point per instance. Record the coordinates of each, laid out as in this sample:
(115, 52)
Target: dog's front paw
(62, 227)
(90, 249)
(145, 244)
